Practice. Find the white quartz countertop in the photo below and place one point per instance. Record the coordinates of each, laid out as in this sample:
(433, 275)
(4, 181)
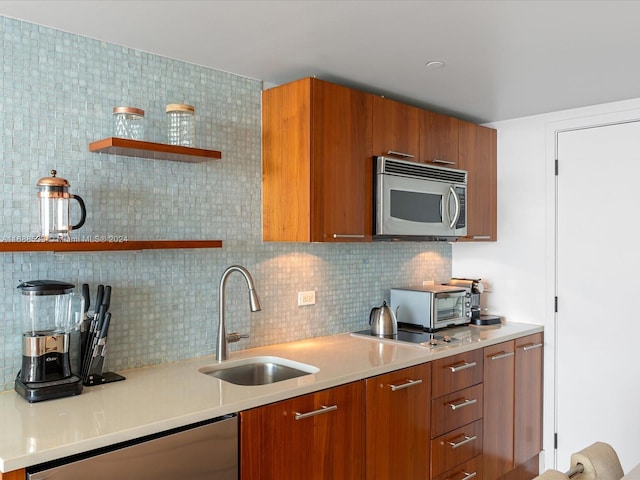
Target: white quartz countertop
(159, 398)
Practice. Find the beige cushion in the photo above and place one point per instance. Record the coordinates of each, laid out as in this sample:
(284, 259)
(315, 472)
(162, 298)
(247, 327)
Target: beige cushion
(552, 475)
(600, 462)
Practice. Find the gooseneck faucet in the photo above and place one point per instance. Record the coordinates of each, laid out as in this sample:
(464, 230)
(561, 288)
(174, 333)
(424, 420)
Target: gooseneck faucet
(222, 345)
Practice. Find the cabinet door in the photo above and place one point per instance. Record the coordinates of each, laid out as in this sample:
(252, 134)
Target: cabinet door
(497, 449)
(398, 424)
(317, 165)
(313, 437)
(14, 475)
(396, 128)
(439, 139)
(286, 162)
(478, 155)
(528, 398)
(342, 164)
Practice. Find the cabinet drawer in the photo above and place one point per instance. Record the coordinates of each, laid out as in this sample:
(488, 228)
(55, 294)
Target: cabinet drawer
(455, 410)
(467, 471)
(456, 447)
(455, 373)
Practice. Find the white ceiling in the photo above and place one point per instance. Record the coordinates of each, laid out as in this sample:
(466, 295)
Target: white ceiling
(504, 59)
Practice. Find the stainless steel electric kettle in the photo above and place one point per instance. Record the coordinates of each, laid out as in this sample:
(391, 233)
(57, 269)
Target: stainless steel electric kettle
(383, 321)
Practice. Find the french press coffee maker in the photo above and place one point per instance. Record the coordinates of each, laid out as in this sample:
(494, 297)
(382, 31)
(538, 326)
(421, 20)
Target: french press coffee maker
(54, 196)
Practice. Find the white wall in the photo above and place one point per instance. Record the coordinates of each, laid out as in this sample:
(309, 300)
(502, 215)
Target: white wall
(520, 265)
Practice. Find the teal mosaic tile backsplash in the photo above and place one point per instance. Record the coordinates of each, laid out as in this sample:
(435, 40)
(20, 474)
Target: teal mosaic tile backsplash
(58, 93)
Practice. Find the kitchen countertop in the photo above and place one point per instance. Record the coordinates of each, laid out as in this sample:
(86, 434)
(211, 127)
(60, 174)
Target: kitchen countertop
(159, 398)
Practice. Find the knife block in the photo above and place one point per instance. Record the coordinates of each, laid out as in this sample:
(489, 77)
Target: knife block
(102, 378)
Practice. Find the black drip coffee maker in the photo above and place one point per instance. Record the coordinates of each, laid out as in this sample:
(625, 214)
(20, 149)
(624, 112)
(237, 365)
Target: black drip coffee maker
(474, 291)
(51, 312)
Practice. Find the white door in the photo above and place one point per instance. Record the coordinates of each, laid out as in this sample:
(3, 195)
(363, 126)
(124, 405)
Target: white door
(598, 291)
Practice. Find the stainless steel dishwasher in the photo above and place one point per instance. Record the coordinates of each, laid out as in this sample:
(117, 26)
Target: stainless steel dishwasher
(207, 450)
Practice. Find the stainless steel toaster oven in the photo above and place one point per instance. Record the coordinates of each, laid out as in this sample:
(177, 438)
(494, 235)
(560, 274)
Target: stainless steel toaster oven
(431, 308)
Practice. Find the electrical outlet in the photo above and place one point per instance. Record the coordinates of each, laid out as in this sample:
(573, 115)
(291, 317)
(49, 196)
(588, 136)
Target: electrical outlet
(426, 283)
(306, 298)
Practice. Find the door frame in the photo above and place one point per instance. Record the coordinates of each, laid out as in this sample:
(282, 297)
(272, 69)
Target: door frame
(553, 129)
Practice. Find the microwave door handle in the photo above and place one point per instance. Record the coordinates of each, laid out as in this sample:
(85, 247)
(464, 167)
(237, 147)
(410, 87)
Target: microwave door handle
(456, 200)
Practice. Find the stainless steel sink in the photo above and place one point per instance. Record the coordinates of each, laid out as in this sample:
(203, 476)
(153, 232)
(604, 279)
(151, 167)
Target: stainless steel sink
(258, 370)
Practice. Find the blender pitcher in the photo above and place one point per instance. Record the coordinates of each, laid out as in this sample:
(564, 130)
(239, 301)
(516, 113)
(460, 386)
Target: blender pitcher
(54, 196)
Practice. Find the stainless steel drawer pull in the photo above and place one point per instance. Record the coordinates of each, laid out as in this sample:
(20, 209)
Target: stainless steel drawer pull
(464, 366)
(399, 154)
(407, 384)
(444, 162)
(502, 355)
(323, 409)
(480, 237)
(465, 403)
(346, 235)
(532, 346)
(462, 442)
(468, 476)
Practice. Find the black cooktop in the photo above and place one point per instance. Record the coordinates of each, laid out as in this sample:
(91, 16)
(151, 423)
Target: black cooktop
(416, 336)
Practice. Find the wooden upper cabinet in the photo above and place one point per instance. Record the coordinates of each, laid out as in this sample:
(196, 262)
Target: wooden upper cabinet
(396, 128)
(317, 163)
(439, 139)
(478, 155)
(318, 143)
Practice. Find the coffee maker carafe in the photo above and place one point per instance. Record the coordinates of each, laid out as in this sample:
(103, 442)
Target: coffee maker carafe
(51, 312)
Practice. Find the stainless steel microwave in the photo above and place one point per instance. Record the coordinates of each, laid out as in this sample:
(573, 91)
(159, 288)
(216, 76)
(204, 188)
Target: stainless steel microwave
(431, 308)
(419, 201)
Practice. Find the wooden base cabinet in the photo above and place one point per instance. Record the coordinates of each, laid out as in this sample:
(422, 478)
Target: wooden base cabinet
(313, 437)
(513, 408)
(456, 416)
(497, 450)
(397, 432)
(528, 398)
(14, 475)
(317, 163)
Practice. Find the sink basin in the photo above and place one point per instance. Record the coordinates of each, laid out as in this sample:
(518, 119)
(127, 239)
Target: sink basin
(258, 370)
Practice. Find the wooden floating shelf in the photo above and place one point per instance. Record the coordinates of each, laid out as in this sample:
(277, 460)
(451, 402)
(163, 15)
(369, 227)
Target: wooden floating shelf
(133, 245)
(159, 151)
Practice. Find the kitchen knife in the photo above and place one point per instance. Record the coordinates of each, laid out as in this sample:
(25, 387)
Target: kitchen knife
(84, 326)
(97, 362)
(106, 299)
(92, 344)
(85, 295)
(88, 336)
(93, 322)
(99, 297)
